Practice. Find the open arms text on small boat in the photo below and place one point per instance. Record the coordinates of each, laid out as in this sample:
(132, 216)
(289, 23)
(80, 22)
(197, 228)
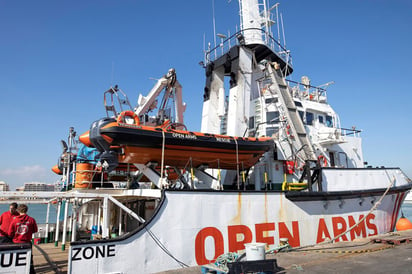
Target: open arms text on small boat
(136, 143)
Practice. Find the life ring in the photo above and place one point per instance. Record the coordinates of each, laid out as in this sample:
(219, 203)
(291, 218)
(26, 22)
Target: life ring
(322, 161)
(128, 113)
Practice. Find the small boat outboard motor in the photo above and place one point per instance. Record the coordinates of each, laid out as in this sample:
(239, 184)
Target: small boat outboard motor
(105, 155)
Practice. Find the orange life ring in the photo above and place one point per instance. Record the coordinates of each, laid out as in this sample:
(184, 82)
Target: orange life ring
(322, 161)
(128, 113)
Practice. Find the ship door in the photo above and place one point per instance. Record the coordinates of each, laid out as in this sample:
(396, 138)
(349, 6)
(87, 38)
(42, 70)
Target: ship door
(332, 158)
(343, 159)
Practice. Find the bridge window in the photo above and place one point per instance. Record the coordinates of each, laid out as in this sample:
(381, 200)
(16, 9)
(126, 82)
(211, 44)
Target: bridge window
(329, 122)
(271, 100)
(271, 130)
(272, 117)
(332, 158)
(309, 118)
(301, 114)
(320, 119)
(298, 104)
(252, 122)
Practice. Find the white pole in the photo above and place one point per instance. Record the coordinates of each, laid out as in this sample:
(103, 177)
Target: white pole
(66, 209)
(120, 221)
(56, 238)
(99, 212)
(70, 222)
(74, 221)
(46, 238)
(127, 210)
(214, 25)
(283, 31)
(74, 175)
(68, 172)
(278, 27)
(105, 225)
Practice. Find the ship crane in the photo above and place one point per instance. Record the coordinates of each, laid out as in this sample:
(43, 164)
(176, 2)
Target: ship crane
(172, 88)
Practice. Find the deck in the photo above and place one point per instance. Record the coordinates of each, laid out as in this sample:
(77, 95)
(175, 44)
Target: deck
(50, 259)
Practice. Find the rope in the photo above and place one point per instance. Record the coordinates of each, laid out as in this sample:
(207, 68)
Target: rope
(370, 211)
(237, 162)
(162, 247)
(354, 251)
(222, 260)
(163, 157)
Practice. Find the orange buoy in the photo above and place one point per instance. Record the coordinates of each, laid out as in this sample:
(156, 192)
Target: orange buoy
(403, 224)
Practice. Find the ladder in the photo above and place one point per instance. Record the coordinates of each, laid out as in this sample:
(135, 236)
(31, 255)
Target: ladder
(297, 136)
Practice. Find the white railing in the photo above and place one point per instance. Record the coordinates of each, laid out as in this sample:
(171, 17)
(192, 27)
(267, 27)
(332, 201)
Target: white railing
(211, 54)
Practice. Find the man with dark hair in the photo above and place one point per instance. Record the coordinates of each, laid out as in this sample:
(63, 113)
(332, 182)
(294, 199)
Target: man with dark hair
(5, 221)
(22, 228)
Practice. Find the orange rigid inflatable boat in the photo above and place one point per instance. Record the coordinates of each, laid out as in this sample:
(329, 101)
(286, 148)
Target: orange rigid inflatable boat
(136, 143)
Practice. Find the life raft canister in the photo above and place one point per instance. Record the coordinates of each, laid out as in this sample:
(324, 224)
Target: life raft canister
(322, 161)
(121, 119)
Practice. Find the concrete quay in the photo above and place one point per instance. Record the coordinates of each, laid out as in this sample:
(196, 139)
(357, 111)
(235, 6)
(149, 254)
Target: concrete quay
(389, 253)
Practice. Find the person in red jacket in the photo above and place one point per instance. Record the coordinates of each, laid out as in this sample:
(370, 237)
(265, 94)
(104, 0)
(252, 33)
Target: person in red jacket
(5, 221)
(22, 227)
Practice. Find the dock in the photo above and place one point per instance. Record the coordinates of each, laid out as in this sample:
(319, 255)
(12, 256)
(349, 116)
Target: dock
(50, 259)
(388, 253)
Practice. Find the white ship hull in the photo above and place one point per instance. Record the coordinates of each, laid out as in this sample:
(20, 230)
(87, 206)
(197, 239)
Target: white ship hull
(408, 198)
(194, 227)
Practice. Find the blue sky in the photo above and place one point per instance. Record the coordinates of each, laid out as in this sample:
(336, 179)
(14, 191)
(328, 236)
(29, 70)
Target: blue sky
(58, 57)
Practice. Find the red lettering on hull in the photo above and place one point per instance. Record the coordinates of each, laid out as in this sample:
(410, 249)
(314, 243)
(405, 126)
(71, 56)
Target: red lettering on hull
(359, 230)
(261, 230)
(239, 235)
(370, 225)
(339, 227)
(323, 232)
(200, 244)
(294, 240)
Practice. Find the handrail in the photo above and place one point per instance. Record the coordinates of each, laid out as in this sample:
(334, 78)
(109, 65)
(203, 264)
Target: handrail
(352, 131)
(309, 86)
(219, 50)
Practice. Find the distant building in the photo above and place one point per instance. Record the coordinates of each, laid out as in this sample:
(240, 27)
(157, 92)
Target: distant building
(20, 188)
(35, 186)
(4, 186)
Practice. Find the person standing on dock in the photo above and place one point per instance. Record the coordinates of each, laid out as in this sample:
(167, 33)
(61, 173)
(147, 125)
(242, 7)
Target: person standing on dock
(22, 228)
(5, 221)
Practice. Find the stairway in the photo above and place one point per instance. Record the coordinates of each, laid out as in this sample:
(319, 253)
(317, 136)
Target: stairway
(294, 126)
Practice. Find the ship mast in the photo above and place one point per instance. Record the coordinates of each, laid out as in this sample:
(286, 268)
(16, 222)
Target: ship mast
(236, 64)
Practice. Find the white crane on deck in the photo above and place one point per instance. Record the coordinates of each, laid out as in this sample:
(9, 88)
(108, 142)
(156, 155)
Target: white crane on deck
(173, 89)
